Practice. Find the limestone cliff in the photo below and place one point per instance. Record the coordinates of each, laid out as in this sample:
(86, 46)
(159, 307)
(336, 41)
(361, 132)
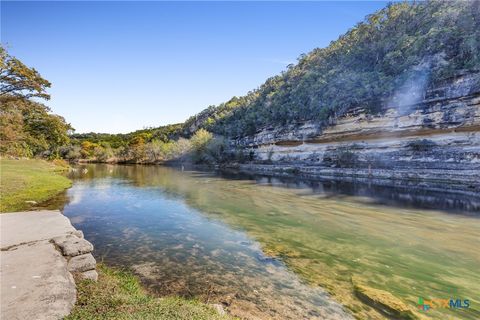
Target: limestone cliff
(434, 140)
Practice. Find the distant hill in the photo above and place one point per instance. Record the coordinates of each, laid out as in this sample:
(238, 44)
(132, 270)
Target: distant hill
(392, 58)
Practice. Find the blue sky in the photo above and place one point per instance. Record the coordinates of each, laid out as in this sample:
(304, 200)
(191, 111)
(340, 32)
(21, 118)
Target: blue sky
(121, 66)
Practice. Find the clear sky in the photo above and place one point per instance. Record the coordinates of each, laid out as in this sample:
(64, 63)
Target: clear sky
(121, 66)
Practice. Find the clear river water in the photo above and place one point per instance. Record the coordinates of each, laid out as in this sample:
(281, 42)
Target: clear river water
(268, 248)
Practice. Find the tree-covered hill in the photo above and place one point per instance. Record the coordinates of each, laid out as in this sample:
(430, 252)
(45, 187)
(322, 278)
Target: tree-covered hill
(163, 133)
(418, 43)
(403, 41)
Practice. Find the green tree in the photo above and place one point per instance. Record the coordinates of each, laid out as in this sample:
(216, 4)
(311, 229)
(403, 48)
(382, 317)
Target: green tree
(16, 79)
(28, 128)
(137, 148)
(200, 141)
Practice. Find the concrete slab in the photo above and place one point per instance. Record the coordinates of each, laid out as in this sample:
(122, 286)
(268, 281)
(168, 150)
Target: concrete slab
(24, 227)
(35, 283)
(35, 280)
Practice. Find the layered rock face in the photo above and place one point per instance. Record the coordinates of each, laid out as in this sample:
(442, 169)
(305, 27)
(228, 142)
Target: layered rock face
(435, 140)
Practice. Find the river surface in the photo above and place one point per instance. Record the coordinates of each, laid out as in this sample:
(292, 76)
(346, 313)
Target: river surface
(271, 249)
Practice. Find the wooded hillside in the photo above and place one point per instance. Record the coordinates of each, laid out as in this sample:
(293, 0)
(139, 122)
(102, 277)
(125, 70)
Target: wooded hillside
(424, 41)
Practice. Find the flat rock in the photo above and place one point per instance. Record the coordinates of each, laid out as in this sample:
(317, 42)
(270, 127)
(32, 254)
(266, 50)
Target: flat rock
(72, 246)
(35, 279)
(82, 263)
(23, 227)
(35, 283)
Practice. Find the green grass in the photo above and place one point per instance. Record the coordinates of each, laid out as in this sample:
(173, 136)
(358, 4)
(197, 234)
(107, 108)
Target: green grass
(29, 180)
(119, 295)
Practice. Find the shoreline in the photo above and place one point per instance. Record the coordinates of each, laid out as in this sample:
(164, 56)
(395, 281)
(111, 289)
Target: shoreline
(42, 258)
(429, 180)
(436, 180)
(66, 255)
(26, 183)
(91, 290)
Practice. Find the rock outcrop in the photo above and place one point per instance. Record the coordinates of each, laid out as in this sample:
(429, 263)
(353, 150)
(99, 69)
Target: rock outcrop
(40, 252)
(77, 251)
(435, 140)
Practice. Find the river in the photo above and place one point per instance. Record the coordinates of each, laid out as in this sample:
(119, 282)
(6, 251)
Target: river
(283, 249)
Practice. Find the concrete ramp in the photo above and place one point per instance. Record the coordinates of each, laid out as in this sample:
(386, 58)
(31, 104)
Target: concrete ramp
(36, 274)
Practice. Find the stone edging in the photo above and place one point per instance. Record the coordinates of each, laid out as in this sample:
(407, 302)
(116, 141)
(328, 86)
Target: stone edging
(77, 252)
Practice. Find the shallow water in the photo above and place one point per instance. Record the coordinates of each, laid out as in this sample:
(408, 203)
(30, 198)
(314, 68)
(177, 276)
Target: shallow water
(211, 236)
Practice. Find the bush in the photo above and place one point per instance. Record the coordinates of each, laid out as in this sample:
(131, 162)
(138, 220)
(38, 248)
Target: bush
(200, 141)
(217, 151)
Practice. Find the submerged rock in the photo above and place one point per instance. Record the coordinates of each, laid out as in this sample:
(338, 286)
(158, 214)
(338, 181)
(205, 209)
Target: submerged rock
(383, 301)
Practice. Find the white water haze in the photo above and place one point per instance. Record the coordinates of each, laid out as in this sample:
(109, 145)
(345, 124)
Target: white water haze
(412, 91)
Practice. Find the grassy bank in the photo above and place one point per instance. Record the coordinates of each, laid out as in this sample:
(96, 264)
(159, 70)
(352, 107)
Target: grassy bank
(119, 295)
(29, 180)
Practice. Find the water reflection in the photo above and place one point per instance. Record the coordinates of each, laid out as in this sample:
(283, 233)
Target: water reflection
(178, 250)
(403, 194)
(198, 234)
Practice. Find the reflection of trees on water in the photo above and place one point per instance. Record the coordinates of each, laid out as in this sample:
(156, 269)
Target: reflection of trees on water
(410, 195)
(55, 203)
(316, 227)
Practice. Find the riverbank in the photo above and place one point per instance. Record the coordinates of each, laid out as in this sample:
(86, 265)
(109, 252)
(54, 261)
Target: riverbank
(118, 294)
(40, 251)
(28, 253)
(461, 182)
(419, 179)
(432, 143)
(26, 182)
